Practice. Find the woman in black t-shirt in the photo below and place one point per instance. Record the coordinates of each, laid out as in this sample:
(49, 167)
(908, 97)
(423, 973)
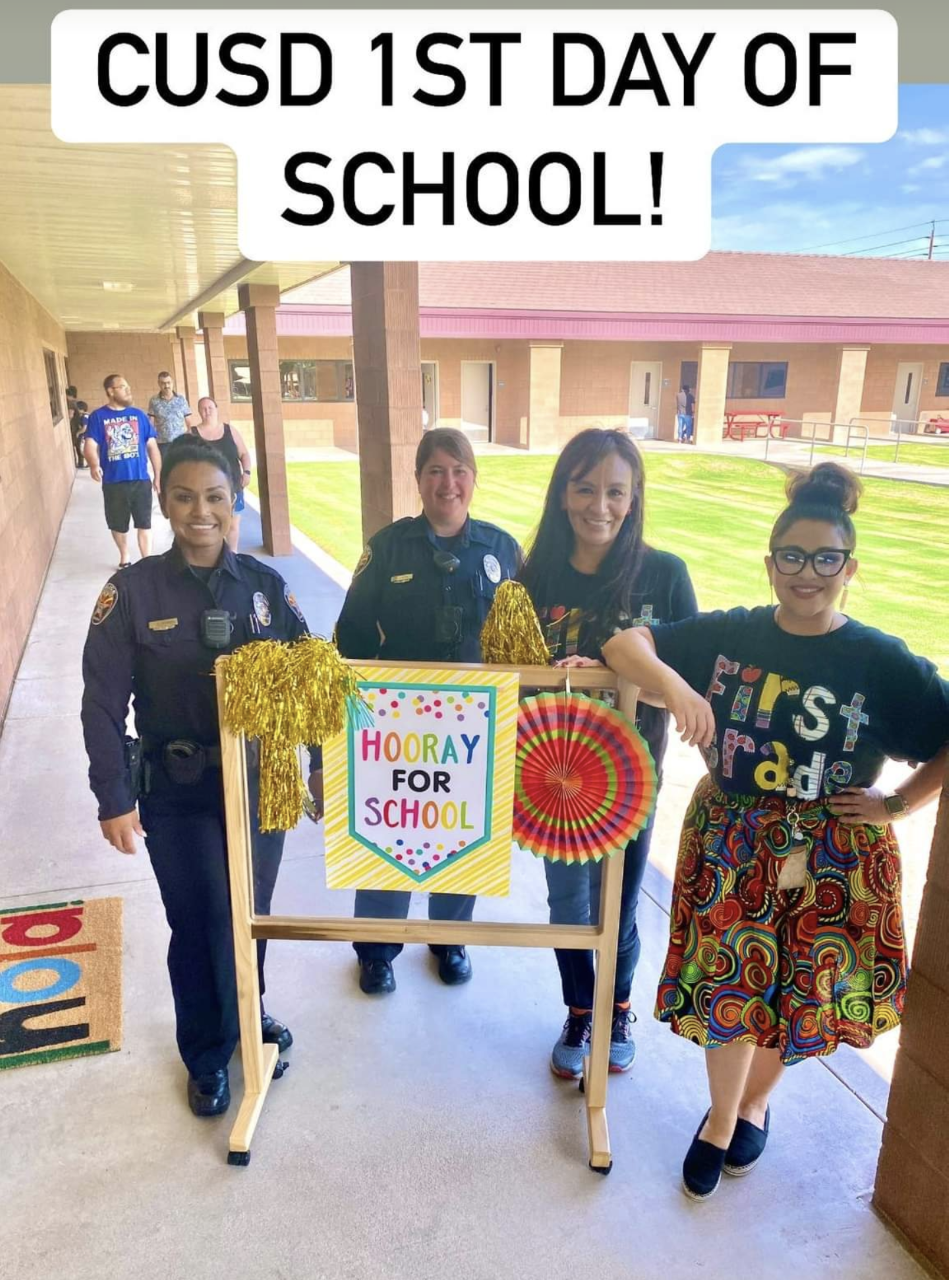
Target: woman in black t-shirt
(786, 935)
(230, 442)
(590, 575)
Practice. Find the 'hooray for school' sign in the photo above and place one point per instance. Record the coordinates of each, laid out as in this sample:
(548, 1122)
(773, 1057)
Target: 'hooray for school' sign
(422, 798)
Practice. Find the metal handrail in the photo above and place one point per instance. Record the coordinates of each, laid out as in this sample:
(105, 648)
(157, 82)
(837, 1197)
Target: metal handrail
(852, 429)
(903, 427)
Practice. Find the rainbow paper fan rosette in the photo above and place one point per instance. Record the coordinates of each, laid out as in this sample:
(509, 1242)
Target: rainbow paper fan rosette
(585, 782)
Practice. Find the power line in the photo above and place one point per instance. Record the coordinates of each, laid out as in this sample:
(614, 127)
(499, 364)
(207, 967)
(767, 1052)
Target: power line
(920, 248)
(872, 235)
(916, 253)
(893, 244)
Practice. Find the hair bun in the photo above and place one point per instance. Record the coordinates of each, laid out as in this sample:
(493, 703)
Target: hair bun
(829, 485)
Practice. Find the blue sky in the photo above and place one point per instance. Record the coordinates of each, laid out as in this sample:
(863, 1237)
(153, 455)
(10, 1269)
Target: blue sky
(868, 197)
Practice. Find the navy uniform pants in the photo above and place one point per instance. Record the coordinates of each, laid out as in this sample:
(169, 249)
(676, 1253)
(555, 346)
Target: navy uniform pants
(393, 904)
(184, 835)
(573, 895)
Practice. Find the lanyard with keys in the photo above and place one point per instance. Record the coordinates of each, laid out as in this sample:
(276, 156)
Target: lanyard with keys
(793, 874)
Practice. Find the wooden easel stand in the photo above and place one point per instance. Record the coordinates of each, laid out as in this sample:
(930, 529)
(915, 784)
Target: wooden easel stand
(260, 1060)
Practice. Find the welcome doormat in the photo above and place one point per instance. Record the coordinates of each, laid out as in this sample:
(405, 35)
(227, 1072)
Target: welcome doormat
(60, 981)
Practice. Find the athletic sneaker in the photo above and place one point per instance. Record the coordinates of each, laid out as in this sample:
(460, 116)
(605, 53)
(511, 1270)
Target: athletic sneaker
(573, 1046)
(622, 1044)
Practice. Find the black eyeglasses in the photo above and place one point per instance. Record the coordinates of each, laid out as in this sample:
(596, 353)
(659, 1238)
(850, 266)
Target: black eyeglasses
(827, 561)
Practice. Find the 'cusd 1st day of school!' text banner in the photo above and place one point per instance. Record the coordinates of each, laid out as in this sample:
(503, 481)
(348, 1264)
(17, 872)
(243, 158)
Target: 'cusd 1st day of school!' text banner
(422, 798)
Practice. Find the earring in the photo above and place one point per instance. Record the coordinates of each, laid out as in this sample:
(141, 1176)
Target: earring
(771, 590)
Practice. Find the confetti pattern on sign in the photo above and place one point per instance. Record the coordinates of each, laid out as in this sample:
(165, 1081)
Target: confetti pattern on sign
(424, 721)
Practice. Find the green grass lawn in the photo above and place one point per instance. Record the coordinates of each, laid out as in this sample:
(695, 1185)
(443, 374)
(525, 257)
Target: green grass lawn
(714, 512)
(932, 455)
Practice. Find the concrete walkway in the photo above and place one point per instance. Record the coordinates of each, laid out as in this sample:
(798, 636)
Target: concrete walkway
(417, 1137)
(797, 453)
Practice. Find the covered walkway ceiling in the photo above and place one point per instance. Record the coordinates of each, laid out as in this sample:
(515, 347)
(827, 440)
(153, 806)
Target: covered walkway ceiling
(158, 222)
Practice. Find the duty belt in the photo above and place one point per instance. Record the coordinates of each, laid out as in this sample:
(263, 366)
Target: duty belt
(183, 761)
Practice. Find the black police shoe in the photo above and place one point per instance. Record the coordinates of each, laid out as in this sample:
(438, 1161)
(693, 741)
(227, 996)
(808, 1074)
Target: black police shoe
(376, 977)
(747, 1146)
(702, 1168)
(274, 1032)
(209, 1095)
(454, 967)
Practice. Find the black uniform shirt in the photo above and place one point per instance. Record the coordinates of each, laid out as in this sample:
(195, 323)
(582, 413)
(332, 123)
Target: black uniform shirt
(663, 593)
(390, 609)
(145, 642)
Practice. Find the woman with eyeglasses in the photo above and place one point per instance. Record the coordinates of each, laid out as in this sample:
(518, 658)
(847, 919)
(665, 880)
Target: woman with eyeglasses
(420, 593)
(786, 934)
(590, 575)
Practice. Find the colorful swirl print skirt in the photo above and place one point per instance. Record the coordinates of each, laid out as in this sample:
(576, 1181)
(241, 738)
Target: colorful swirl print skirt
(799, 970)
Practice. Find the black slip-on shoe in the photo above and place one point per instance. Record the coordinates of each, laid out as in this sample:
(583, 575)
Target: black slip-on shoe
(702, 1167)
(747, 1146)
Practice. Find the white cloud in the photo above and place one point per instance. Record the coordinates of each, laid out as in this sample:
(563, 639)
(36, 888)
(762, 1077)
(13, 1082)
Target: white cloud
(924, 137)
(931, 162)
(804, 164)
(910, 187)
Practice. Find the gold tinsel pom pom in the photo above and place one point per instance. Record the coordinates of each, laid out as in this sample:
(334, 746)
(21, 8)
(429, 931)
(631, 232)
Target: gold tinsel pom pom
(287, 695)
(511, 634)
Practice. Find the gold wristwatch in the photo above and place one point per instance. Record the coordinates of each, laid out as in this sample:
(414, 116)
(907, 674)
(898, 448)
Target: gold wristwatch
(895, 805)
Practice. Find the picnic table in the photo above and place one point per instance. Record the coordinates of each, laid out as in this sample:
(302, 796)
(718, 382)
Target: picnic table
(741, 426)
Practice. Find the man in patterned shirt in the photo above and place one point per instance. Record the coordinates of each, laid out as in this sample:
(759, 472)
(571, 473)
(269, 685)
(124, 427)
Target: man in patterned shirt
(169, 412)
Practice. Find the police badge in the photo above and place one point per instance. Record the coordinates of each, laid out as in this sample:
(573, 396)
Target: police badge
(262, 608)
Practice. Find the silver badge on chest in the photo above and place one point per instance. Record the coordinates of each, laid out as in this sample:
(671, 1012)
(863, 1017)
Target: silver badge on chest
(492, 568)
(262, 608)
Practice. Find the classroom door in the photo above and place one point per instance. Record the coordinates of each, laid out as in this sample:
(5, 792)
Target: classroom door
(477, 393)
(909, 377)
(430, 393)
(645, 381)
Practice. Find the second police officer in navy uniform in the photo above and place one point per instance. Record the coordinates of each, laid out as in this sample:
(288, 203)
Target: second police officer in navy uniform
(421, 592)
(156, 630)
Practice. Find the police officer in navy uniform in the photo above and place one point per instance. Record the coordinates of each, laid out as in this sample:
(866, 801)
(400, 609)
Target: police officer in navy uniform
(156, 630)
(421, 592)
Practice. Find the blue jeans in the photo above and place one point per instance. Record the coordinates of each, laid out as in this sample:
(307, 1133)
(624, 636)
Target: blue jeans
(683, 426)
(573, 895)
(393, 904)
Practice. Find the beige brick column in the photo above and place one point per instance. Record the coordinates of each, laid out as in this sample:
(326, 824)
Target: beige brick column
(851, 368)
(912, 1185)
(259, 303)
(543, 423)
(178, 368)
(710, 392)
(189, 364)
(219, 385)
(387, 367)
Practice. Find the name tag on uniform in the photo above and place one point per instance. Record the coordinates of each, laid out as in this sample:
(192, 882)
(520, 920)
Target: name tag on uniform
(163, 624)
(402, 577)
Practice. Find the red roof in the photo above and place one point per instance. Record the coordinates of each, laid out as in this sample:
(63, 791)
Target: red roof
(720, 284)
